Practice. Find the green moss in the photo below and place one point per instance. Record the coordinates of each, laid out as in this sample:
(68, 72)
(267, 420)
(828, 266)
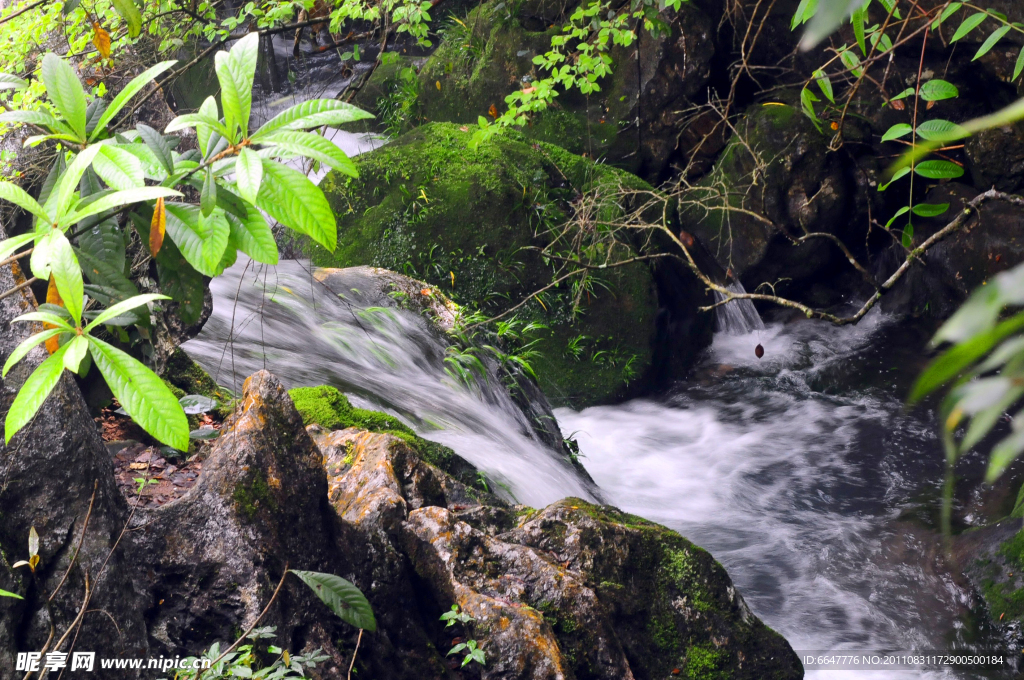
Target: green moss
(703, 663)
(468, 221)
(251, 496)
(331, 410)
(184, 376)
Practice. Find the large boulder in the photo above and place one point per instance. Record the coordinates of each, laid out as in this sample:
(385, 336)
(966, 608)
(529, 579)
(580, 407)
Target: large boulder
(470, 222)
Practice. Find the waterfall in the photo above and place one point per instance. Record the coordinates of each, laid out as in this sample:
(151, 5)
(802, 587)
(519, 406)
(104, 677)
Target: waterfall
(737, 317)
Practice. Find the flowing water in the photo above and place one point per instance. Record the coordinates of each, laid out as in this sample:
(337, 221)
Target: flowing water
(801, 472)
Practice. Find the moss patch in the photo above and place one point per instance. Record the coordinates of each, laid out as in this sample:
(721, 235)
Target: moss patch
(331, 410)
(469, 221)
(252, 496)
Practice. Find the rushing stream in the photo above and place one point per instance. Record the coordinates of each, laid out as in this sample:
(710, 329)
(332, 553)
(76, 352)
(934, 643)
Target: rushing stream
(801, 472)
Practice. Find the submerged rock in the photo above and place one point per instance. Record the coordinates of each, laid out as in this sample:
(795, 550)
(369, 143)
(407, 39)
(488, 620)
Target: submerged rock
(470, 222)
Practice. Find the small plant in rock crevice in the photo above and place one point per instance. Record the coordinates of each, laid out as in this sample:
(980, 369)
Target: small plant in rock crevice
(470, 648)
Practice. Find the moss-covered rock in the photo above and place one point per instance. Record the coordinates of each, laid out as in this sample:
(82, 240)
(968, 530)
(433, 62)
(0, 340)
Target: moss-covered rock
(775, 181)
(469, 222)
(330, 409)
(634, 120)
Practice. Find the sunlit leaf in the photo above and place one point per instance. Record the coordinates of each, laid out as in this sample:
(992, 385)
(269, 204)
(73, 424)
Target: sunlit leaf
(341, 597)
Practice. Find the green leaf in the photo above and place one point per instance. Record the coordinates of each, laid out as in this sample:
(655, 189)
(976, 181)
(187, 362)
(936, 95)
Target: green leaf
(65, 91)
(181, 281)
(986, 46)
(129, 11)
(5, 593)
(158, 145)
(1005, 452)
(45, 317)
(289, 197)
(310, 114)
(968, 25)
(67, 274)
(202, 242)
(825, 85)
(19, 197)
(930, 209)
(946, 13)
(25, 347)
(852, 62)
(804, 11)
(902, 211)
(939, 170)
(908, 235)
(122, 307)
(978, 314)
(951, 363)
(313, 146)
(77, 349)
(906, 93)
(940, 130)
(142, 394)
(896, 131)
(40, 118)
(194, 404)
(341, 597)
(60, 200)
(249, 174)
(253, 236)
(937, 89)
(8, 246)
(119, 199)
(106, 274)
(235, 72)
(859, 21)
(118, 168)
(807, 100)
(33, 393)
(828, 18)
(10, 82)
(208, 197)
(129, 91)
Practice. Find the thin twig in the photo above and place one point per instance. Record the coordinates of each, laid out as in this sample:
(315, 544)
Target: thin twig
(20, 286)
(352, 665)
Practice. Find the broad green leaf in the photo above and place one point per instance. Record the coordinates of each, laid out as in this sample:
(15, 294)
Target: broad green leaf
(290, 198)
(119, 199)
(45, 317)
(930, 209)
(804, 11)
(968, 25)
(235, 72)
(902, 211)
(1005, 452)
(986, 46)
(158, 145)
(39, 262)
(341, 597)
(946, 13)
(825, 85)
(253, 236)
(939, 170)
(68, 182)
(104, 240)
(5, 593)
(952, 362)
(25, 347)
(852, 62)
(807, 100)
(316, 147)
(202, 243)
(937, 89)
(906, 93)
(908, 235)
(33, 393)
(93, 113)
(829, 16)
(106, 274)
(310, 114)
(983, 422)
(896, 131)
(181, 281)
(122, 307)
(40, 118)
(67, 274)
(8, 246)
(118, 168)
(129, 11)
(940, 130)
(208, 197)
(19, 197)
(199, 121)
(1020, 65)
(65, 91)
(143, 395)
(203, 133)
(78, 347)
(249, 174)
(129, 91)
(10, 82)
(859, 21)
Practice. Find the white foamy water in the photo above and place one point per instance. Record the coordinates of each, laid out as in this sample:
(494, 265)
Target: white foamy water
(794, 489)
(281, 319)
